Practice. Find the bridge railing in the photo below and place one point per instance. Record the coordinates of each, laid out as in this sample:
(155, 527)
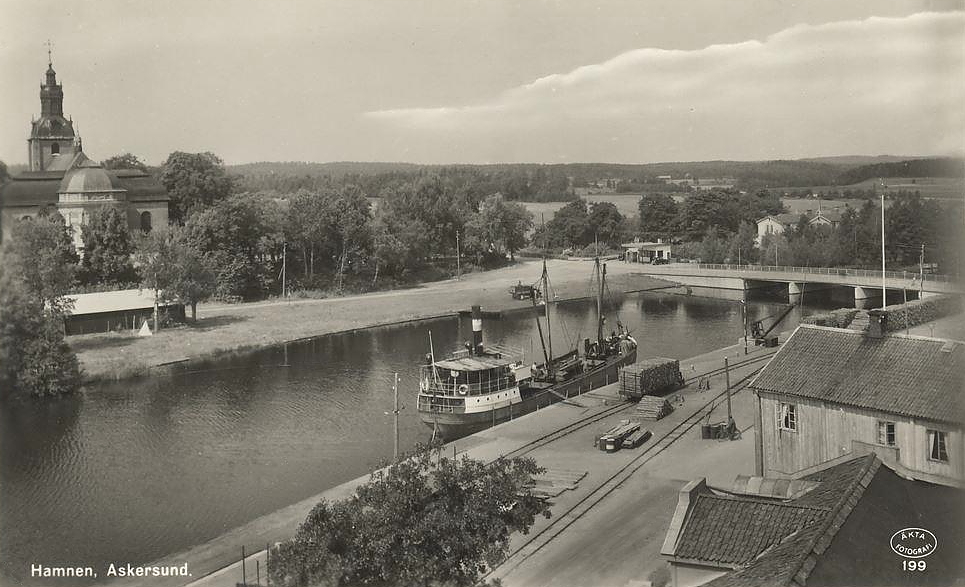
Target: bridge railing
(826, 271)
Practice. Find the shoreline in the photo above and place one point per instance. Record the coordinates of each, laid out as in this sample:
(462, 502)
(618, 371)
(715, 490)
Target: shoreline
(228, 329)
(216, 562)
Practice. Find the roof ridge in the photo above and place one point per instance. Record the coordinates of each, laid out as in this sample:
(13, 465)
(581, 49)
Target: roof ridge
(828, 529)
(745, 498)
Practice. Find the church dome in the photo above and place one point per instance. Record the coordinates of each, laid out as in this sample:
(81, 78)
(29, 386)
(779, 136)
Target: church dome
(88, 180)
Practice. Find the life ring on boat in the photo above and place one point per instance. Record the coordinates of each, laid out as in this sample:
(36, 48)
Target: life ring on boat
(423, 385)
(463, 389)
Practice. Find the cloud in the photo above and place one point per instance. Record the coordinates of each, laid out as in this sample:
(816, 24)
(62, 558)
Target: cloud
(880, 85)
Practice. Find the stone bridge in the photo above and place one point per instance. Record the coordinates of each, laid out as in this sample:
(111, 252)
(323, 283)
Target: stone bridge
(867, 284)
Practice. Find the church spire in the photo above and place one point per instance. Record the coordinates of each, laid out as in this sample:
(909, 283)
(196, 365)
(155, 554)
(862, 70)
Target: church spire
(51, 93)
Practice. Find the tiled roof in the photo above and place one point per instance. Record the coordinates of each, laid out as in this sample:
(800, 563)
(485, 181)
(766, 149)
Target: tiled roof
(850, 546)
(791, 555)
(906, 375)
(733, 530)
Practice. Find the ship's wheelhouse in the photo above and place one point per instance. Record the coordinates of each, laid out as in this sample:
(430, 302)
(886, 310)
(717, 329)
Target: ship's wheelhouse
(468, 376)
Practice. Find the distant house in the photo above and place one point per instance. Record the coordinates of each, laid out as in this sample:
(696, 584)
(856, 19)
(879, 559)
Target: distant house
(775, 224)
(640, 252)
(831, 218)
(830, 393)
(115, 310)
(831, 527)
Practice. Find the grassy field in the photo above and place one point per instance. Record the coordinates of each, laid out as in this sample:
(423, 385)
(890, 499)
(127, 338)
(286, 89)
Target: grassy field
(627, 204)
(941, 188)
(238, 327)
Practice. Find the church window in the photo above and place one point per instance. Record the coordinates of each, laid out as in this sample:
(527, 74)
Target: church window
(55, 148)
(146, 221)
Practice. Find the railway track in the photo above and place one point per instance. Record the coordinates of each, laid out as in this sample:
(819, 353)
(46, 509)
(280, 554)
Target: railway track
(577, 511)
(597, 416)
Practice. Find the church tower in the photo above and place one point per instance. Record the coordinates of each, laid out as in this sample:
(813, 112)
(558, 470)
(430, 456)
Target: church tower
(52, 143)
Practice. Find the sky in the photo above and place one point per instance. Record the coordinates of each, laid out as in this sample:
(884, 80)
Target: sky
(461, 81)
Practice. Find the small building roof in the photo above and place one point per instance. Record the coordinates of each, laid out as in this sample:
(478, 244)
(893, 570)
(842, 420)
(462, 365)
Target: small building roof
(646, 245)
(859, 504)
(732, 530)
(112, 301)
(911, 376)
(474, 363)
(784, 219)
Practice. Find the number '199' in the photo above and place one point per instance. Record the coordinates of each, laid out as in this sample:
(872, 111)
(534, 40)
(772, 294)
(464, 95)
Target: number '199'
(913, 565)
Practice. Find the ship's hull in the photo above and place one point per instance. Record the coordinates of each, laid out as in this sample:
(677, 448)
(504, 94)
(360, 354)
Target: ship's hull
(456, 425)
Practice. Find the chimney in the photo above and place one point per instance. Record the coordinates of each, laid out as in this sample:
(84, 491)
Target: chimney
(877, 323)
(477, 343)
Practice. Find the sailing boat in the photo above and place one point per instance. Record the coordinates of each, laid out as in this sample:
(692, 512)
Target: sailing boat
(481, 386)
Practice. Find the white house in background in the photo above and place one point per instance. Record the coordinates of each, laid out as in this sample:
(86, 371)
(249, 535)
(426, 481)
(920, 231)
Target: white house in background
(639, 252)
(775, 224)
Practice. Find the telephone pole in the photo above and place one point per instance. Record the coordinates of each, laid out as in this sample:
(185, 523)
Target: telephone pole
(458, 255)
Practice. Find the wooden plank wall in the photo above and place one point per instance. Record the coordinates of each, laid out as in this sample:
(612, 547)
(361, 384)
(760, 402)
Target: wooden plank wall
(826, 431)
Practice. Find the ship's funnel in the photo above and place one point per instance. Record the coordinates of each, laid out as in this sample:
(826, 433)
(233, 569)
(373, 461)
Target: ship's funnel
(477, 343)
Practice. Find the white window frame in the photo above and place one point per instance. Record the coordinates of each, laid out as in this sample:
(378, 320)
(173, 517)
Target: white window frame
(787, 417)
(937, 443)
(884, 433)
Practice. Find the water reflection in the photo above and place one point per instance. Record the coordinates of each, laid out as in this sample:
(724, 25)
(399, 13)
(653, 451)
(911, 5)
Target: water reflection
(139, 469)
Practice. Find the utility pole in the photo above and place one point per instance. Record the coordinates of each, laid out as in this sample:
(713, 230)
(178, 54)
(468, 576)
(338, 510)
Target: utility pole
(458, 255)
(727, 382)
(395, 412)
(744, 319)
(921, 271)
(284, 263)
(884, 291)
(155, 302)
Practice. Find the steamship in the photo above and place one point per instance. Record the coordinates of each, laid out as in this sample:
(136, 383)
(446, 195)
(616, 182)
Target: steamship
(481, 386)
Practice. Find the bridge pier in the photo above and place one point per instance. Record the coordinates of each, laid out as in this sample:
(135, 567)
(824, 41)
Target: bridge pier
(866, 297)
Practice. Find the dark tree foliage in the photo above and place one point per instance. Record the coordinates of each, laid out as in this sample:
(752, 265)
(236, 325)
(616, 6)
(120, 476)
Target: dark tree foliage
(35, 273)
(570, 227)
(499, 228)
(125, 161)
(606, 224)
(658, 216)
(108, 245)
(4, 172)
(241, 238)
(41, 256)
(194, 181)
(425, 520)
(171, 266)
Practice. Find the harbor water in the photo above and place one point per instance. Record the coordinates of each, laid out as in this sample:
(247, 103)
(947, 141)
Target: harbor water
(134, 470)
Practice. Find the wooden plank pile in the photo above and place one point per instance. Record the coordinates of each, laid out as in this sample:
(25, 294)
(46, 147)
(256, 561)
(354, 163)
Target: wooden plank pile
(553, 482)
(649, 377)
(652, 407)
(613, 438)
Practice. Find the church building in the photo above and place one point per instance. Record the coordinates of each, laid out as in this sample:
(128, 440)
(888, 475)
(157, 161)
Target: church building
(62, 178)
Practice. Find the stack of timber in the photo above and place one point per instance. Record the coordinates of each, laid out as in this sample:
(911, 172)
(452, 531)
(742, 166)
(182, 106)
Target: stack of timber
(613, 438)
(653, 407)
(553, 482)
(650, 377)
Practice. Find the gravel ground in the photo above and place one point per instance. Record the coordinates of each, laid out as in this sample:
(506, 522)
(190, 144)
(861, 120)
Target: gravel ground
(238, 327)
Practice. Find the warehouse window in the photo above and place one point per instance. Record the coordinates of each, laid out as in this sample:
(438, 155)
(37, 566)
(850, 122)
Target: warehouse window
(936, 446)
(886, 433)
(787, 417)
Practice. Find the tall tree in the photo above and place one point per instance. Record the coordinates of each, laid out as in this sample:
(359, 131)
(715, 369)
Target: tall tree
(173, 268)
(108, 246)
(194, 181)
(36, 270)
(125, 161)
(605, 223)
(241, 237)
(425, 520)
(658, 216)
(41, 255)
(498, 228)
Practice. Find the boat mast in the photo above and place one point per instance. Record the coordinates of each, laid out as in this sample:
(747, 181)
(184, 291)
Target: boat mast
(599, 302)
(546, 301)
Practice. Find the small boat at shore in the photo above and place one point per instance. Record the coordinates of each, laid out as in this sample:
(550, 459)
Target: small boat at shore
(483, 385)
